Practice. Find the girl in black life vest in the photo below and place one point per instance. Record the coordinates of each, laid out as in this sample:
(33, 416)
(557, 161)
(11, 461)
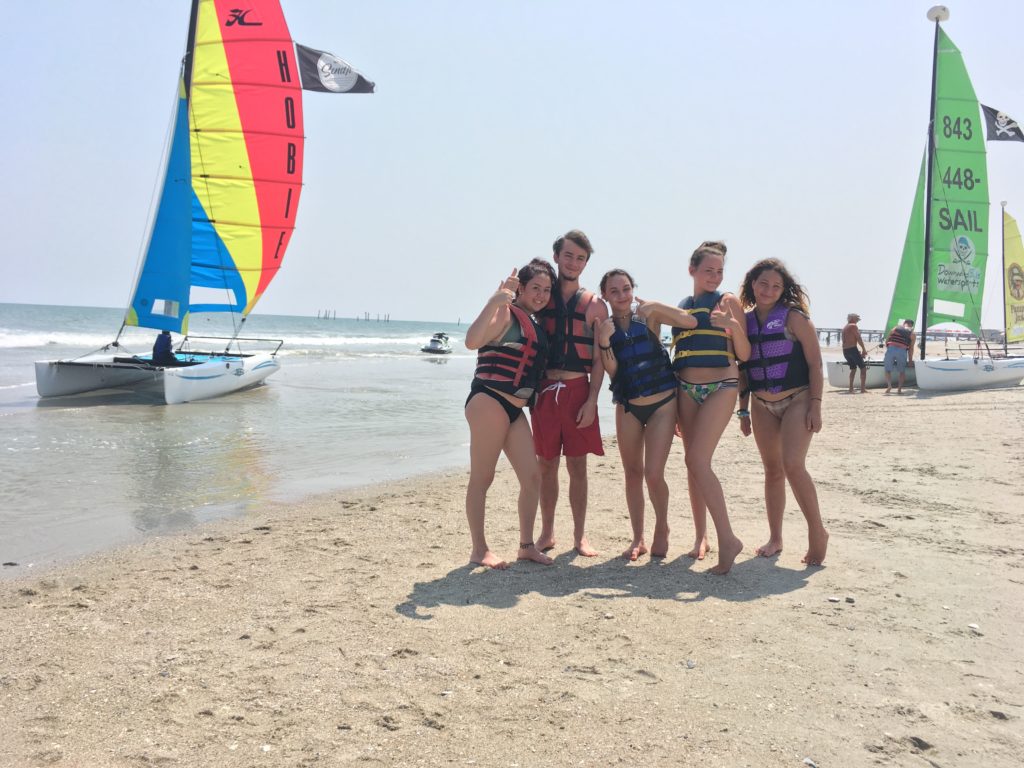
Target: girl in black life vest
(511, 359)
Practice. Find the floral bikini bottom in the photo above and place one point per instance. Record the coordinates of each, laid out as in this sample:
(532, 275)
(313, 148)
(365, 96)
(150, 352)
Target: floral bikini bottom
(701, 392)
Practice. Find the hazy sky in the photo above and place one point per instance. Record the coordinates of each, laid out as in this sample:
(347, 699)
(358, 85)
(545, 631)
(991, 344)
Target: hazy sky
(788, 129)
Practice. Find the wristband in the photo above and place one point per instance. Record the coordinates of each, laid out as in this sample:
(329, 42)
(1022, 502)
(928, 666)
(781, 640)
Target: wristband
(742, 413)
(602, 346)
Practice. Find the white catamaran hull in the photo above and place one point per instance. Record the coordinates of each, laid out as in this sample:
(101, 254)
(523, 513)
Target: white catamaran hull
(219, 376)
(839, 375)
(212, 376)
(969, 372)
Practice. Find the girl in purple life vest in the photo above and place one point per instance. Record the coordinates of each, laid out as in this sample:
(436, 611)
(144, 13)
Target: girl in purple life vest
(511, 359)
(783, 374)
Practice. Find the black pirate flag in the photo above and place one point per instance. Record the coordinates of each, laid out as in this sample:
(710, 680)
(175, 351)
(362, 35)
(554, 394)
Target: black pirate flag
(1000, 126)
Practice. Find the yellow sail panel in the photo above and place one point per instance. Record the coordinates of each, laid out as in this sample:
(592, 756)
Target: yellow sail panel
(227, 238)
(1013, 279)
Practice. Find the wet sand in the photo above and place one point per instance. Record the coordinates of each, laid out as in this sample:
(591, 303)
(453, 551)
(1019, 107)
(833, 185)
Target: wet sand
(349, 630)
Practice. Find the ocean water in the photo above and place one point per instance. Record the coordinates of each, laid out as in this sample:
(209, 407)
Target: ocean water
(355, 403)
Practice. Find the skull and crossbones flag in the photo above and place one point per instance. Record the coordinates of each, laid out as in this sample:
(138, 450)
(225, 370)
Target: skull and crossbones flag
(1000, 126)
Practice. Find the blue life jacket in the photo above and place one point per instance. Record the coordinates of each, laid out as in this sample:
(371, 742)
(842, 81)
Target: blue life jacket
(776, 363)
(704, 346)
(643, 364)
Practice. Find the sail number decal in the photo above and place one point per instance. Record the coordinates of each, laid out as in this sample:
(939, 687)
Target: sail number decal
(961, 127)
(961, 178)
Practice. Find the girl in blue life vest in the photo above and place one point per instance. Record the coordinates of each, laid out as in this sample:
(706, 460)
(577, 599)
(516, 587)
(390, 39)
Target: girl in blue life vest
(511, 359)
(644, 390)
(783, 374)
(704, 359)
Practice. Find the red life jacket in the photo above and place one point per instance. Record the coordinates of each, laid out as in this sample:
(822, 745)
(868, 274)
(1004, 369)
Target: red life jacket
(899, 337)
(514, 366)
(571, 339)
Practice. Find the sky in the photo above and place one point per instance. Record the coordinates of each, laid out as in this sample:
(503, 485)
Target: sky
(790, 130)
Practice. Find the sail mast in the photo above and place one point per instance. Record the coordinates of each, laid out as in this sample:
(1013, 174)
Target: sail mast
(937, 13)
(1002, 266)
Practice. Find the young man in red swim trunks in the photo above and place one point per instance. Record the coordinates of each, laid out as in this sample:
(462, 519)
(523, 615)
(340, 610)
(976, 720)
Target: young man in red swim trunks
(564, 416)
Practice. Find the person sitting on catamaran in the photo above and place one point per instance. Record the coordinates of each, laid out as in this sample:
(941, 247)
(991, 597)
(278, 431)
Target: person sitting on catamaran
(163, 354)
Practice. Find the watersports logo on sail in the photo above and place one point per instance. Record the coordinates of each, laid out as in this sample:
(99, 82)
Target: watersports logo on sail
(240, 17)
(959, 274)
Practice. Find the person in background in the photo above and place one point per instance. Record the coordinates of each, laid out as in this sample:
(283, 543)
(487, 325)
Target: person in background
(704, 359)
(784, 376)
(644, 390)
(564, 415)
(898, 349)
(854, 355)
(511, 358)
(163, 352)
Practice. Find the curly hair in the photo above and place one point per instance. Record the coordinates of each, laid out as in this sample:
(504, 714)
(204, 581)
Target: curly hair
(793, 294)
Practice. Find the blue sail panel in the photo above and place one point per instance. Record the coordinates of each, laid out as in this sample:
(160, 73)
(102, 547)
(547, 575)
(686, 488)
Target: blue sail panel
(161, 296)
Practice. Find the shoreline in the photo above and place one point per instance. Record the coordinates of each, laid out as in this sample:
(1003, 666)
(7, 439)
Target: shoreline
(349, 629)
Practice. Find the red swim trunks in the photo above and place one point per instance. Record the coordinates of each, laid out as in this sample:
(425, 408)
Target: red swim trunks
(553, 416)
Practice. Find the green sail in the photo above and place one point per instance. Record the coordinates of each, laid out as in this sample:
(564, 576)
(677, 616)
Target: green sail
(906, 297)
(959, 196)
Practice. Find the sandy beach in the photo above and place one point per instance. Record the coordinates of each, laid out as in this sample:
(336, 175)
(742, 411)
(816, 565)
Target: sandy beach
(350, 630)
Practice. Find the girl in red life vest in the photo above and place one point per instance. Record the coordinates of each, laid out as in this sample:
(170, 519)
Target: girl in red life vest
(784, 376)
(644, 390)
(704, 359)
(511, 359)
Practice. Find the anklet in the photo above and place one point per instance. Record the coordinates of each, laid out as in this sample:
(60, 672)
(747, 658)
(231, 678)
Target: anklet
(527, 545)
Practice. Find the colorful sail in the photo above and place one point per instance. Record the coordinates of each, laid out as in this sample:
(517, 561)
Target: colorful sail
(1013, 279)
(906, 297)
(958, 250)
(237, 149)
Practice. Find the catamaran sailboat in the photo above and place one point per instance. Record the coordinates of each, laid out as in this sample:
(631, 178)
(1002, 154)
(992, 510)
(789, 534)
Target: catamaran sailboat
(226, 212)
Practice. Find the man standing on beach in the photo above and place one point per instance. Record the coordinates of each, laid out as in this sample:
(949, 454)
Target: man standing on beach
(897, 354)
(854, 356)
(564, 415)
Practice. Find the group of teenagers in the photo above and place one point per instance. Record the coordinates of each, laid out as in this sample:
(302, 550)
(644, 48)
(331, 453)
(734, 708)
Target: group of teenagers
(545, 342)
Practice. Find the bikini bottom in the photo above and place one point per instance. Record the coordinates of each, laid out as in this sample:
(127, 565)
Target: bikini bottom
(701, 392)
(513, 411)
(778, 407)
(643, 413)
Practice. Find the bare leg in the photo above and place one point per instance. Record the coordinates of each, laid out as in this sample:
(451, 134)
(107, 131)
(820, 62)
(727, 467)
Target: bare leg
(888, 382)
(488, 427)
(548, 501)
(630, 434)
(899, 382)
(863, 380)
(705, 424)
(519, 449)
(767, 434)
(658, 436)
(577, 467)
(852, 372)
(795, 440)
(698, 509)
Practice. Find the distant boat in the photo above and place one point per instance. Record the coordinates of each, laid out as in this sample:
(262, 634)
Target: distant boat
(439, 344)
(231, 186)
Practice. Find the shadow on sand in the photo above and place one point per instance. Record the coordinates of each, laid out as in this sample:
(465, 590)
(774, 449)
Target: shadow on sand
(654, 579)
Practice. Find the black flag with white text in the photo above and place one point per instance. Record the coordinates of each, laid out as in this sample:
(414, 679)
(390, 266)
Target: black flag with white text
(1000, 126)
(322, 71)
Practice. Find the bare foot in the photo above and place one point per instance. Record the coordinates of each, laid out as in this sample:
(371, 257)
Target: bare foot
(659, 544)
(488, 560)
(584, 548)
(634, 550)
(888, 391)
(817, 544)
(534, 554)
(544, 543)
(864, 392)
(727, 554)
(700, 549)
(770, 549)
